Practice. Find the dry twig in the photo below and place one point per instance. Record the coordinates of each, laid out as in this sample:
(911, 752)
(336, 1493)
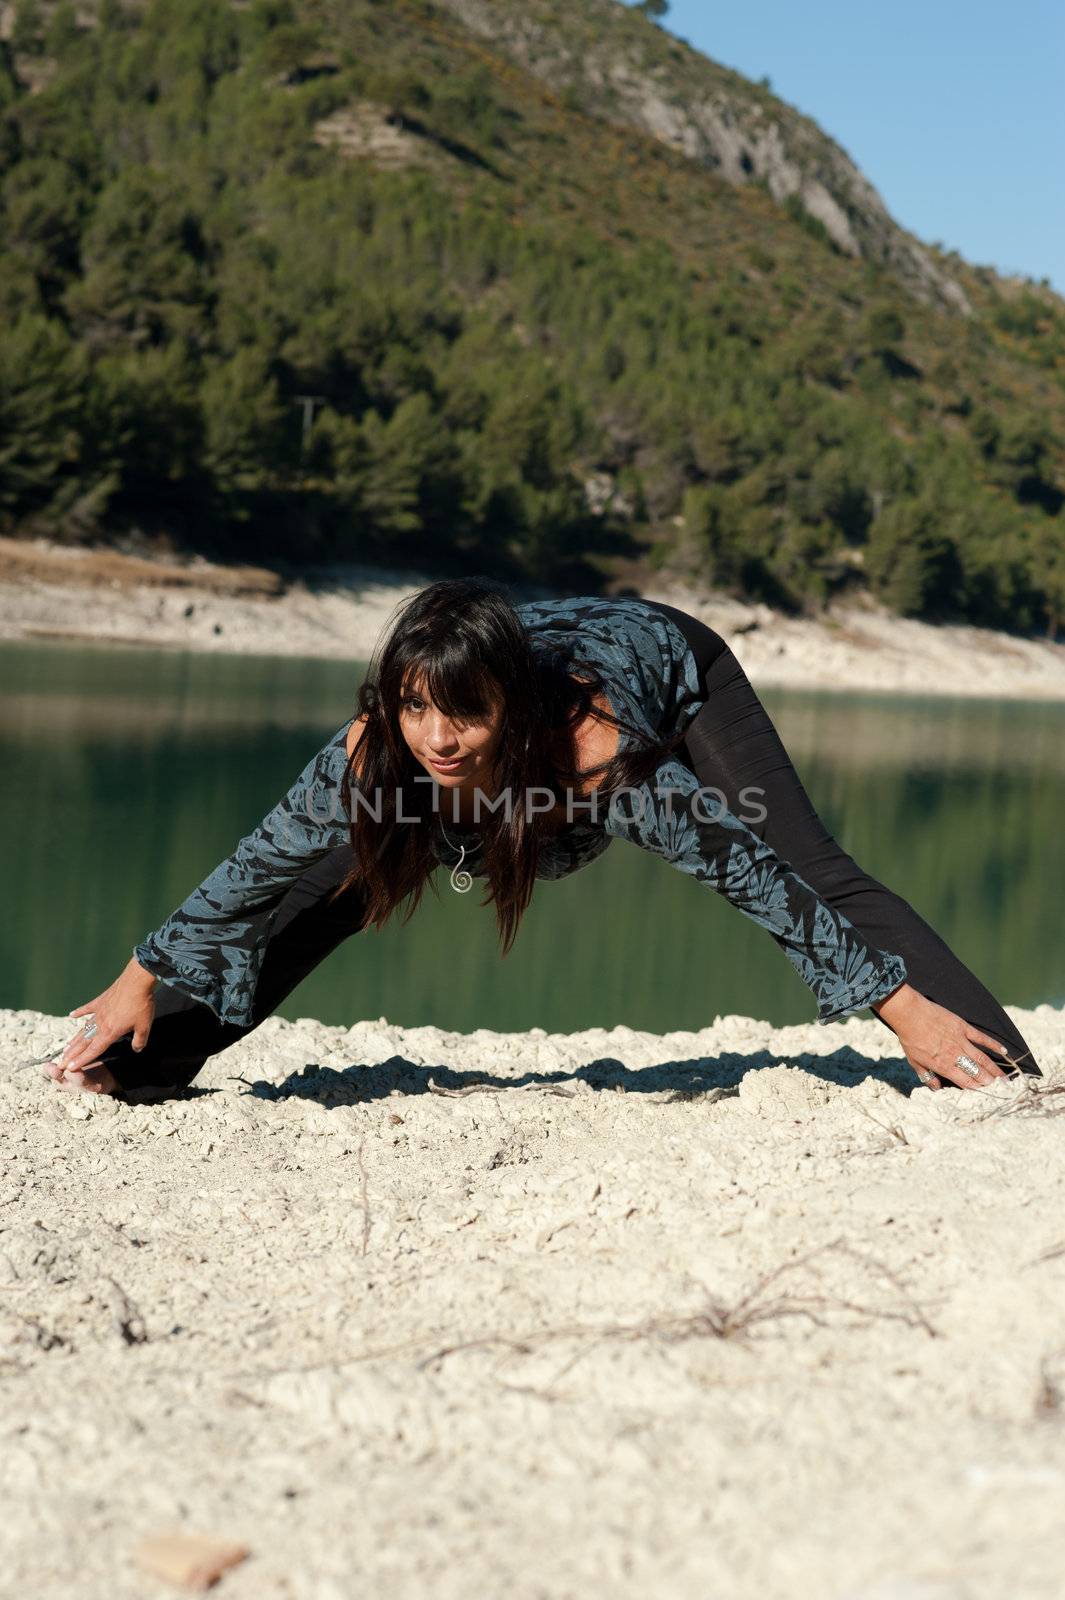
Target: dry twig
(1033, 1099)
(36, 1061)
(716, 1319)
(502, 1088)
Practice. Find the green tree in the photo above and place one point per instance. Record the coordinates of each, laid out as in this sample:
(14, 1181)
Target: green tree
(912, 564)
(246, 437)
(63, 31)
(396, 478)
(28, 28)
(716, 536)
(144, 264)
(42, 378)
(1046, 565)
(287, 47)
(883, 329)
(144, 429)
(44, 209)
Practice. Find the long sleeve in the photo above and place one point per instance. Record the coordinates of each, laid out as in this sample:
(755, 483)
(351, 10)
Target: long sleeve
(211, 946)
(671, 817)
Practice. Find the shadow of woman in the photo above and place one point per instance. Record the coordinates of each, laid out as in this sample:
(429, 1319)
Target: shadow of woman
(701, 1077)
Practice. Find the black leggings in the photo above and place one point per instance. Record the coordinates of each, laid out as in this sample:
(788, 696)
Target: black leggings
(730, 745)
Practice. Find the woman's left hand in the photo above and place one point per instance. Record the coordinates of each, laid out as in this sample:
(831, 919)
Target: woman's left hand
(933, 1038)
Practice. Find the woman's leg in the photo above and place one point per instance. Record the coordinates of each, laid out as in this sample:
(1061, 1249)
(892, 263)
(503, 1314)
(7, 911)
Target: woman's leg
(185, 1033)
(732, 745)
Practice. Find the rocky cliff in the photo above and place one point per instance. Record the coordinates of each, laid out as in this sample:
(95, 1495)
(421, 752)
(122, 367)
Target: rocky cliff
(628, 70)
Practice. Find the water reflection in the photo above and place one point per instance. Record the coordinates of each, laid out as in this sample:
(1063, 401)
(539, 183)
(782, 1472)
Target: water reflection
(128, 774)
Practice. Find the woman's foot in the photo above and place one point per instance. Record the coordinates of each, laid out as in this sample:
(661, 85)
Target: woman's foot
(91, 1080)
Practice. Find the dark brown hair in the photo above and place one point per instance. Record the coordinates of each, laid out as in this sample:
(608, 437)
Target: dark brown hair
(464, 636)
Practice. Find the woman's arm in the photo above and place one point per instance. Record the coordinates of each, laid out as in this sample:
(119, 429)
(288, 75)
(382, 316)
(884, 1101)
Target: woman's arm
(693, 831)
(211, 945)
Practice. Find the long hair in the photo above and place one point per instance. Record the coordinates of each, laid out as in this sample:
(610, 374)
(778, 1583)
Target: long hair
(465, 636)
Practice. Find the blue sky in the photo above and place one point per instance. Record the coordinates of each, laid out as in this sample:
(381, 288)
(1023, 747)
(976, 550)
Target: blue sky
(953, 109)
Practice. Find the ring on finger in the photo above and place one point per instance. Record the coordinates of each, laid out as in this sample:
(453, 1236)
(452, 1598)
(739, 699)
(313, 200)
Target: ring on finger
(967, 1064)
(90, 1029)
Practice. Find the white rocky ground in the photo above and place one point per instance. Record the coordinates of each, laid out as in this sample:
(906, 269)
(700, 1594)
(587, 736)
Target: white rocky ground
(730, 1313)
(55, 592)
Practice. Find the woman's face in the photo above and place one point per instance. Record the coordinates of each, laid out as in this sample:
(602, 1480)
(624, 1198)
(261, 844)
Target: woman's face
(457, 754)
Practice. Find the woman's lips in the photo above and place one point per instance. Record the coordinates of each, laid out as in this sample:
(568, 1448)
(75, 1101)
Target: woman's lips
(448, 766)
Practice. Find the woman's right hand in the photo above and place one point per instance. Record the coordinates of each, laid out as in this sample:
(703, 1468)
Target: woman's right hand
(933, 1038)
(127, 1006)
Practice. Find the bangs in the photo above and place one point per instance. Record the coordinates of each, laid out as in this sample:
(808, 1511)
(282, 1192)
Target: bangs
(456, 680)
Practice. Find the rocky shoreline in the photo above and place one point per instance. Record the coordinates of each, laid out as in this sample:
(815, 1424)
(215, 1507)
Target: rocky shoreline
(85, 596)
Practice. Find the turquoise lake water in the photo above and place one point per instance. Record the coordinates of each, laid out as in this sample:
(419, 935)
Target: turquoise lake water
(129, 774)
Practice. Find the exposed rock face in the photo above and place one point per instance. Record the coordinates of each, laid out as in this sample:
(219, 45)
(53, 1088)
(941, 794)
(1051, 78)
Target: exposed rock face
(636, 74)
(371, 132)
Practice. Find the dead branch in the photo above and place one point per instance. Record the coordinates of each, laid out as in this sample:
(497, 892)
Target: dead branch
(716, 1319)
(568, 1091)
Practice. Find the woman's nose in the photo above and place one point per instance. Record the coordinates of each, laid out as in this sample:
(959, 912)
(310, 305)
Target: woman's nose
(441, 736)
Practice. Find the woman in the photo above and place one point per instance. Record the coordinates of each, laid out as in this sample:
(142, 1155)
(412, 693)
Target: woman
(515, 743)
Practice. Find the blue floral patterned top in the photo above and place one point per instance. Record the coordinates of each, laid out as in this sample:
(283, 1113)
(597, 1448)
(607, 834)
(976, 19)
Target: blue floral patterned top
(212, 945)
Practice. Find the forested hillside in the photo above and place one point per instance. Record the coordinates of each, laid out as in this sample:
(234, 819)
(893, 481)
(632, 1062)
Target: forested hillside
(307, 280)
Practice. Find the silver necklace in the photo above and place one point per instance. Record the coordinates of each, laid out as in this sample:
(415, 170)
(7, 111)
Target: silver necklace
(461, 881)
